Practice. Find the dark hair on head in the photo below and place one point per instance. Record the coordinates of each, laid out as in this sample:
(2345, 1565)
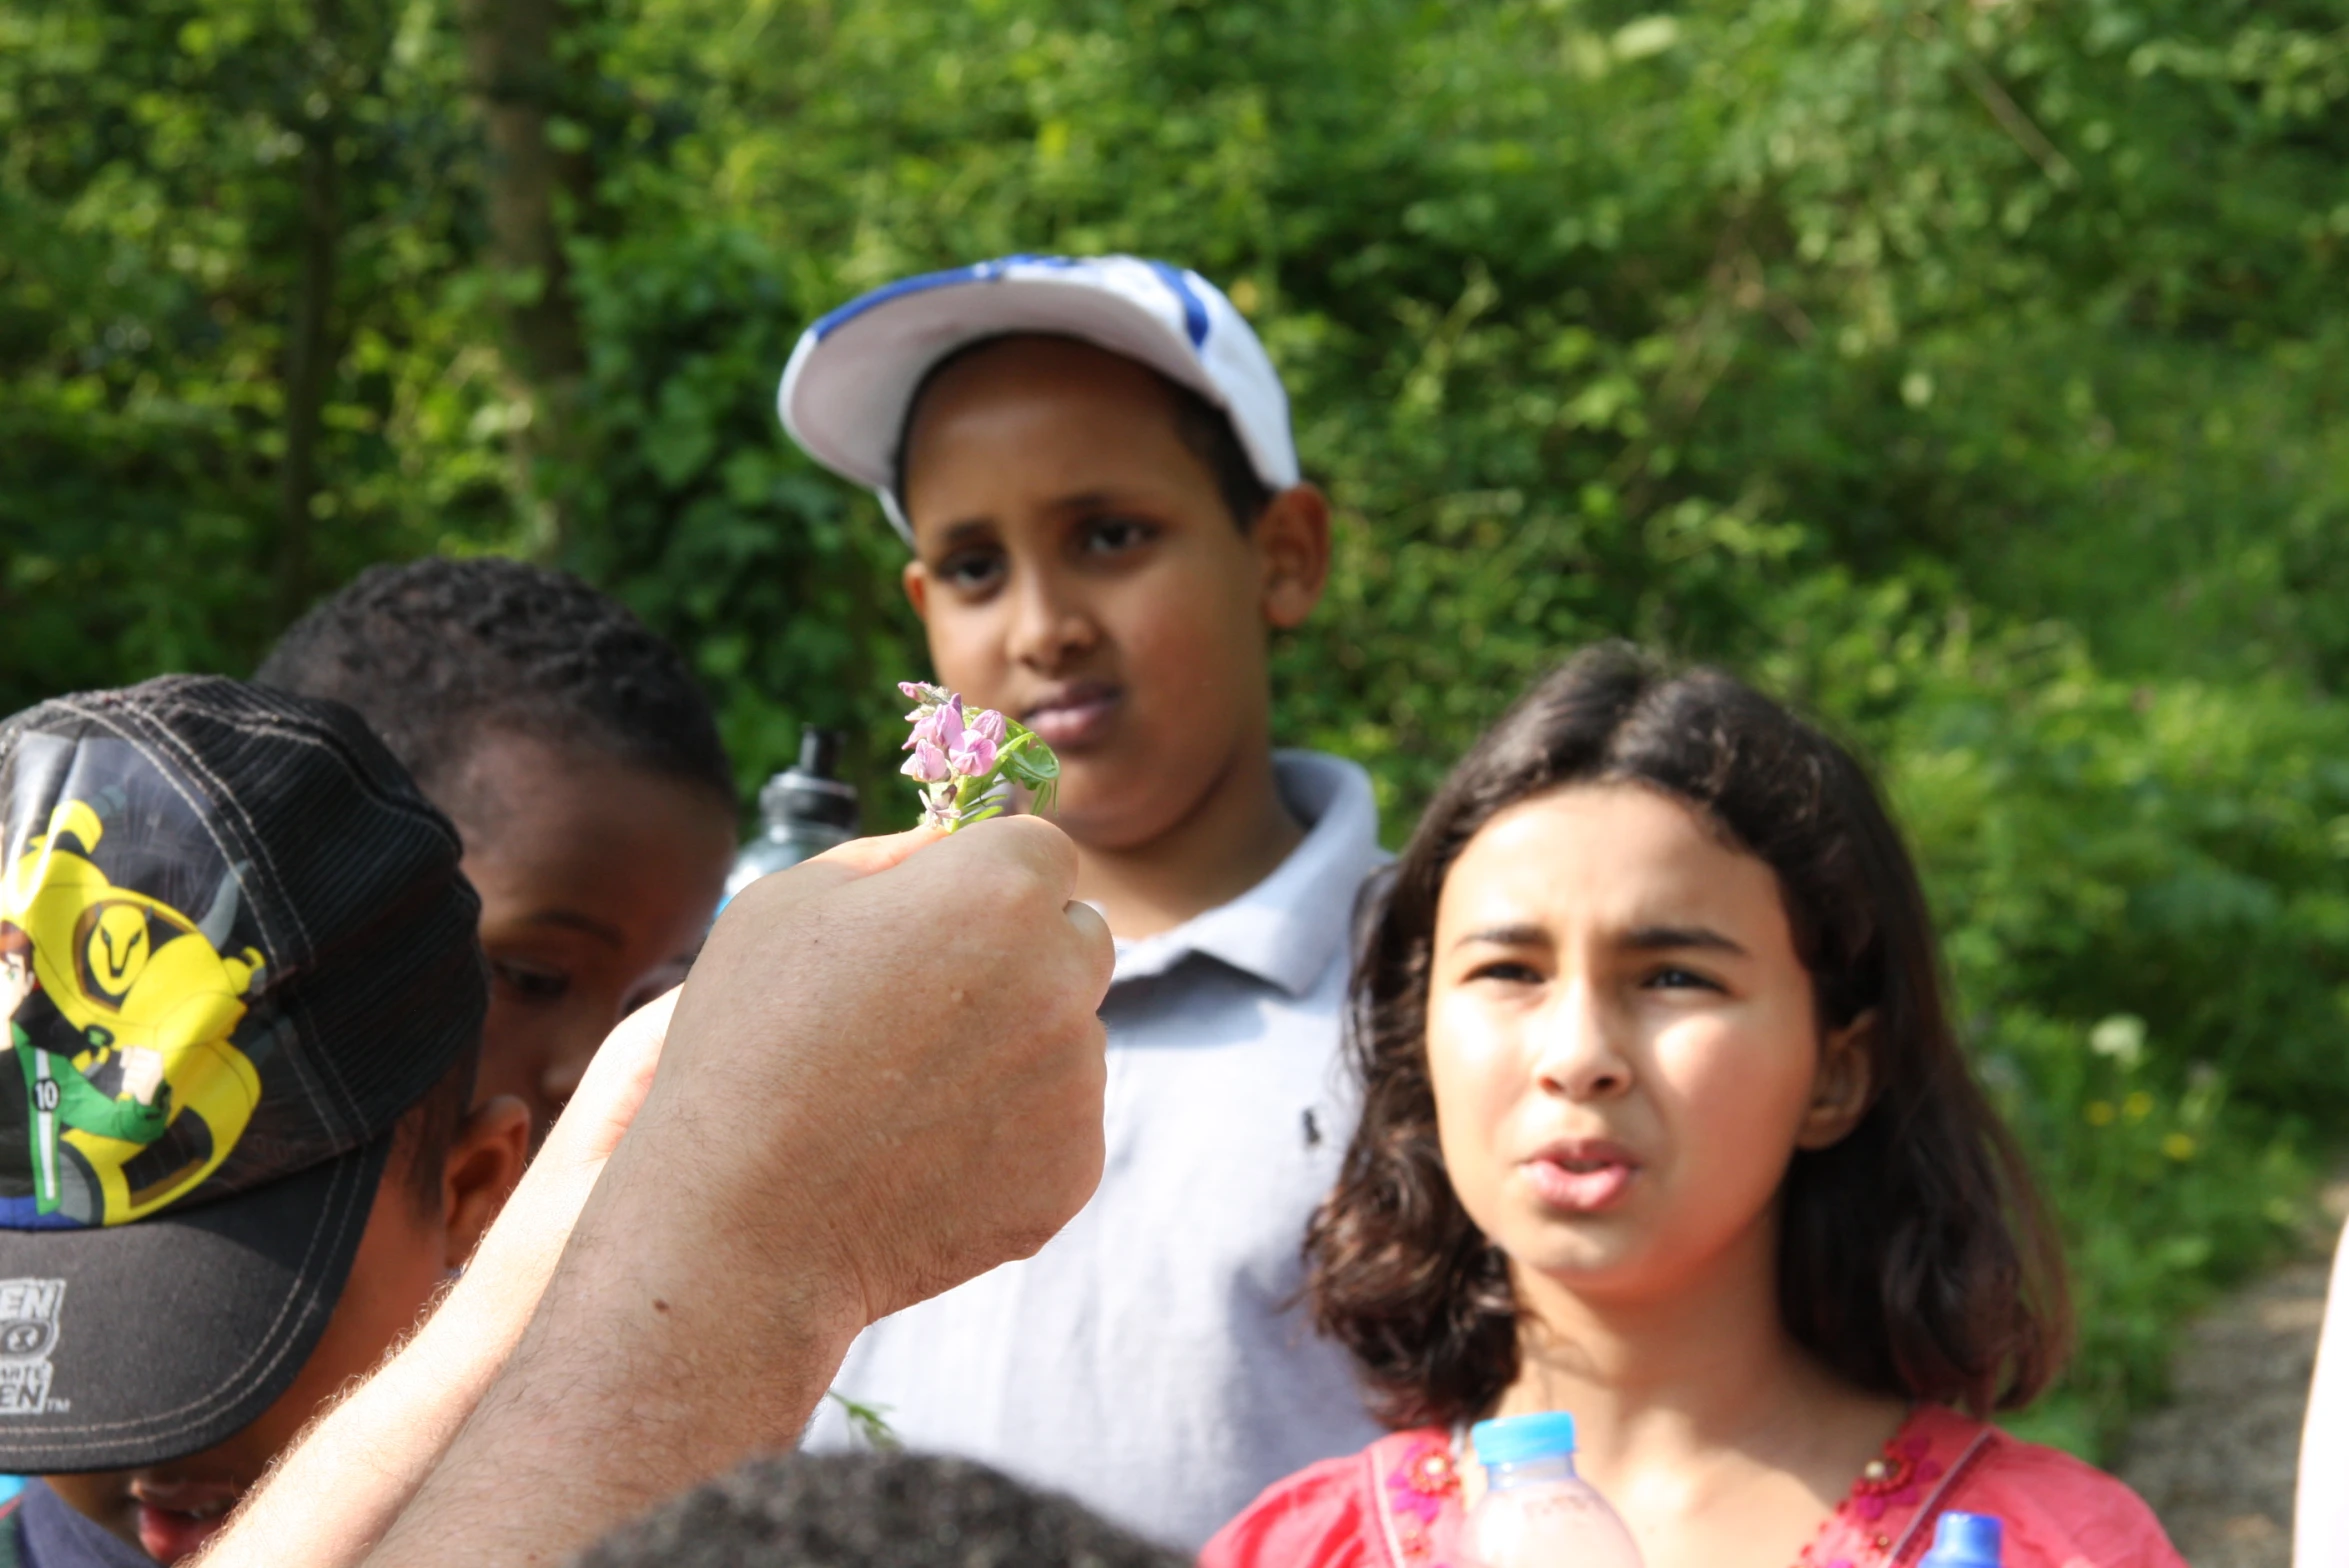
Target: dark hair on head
(1914, 1257)
(884, 1510)
(1202, 427)
(426, 1131)
(435, 652)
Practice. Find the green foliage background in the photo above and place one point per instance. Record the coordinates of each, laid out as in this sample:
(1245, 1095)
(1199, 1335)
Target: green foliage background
(1972, 370)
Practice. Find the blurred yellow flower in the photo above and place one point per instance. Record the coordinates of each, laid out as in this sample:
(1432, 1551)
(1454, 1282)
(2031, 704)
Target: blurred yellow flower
(2178, 1146)
(2100, 1113)
(2137, 1106)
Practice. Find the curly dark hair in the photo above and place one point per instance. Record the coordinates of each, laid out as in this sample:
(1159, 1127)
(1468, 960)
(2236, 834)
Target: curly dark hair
(887, 1510)
(437, 651)
(1914, 1257)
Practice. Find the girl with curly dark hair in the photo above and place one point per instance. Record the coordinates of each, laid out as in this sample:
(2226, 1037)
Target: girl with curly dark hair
(1664, 1124)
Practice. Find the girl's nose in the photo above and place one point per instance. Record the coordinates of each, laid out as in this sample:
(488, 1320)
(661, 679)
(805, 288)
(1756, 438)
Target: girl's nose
(1581, 1054)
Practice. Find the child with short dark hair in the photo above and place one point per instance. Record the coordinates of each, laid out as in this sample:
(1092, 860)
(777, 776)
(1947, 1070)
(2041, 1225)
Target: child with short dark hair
(1665, 1125)
(879, 1510)
(239, 1151)
(1091, 460)
(581, 765)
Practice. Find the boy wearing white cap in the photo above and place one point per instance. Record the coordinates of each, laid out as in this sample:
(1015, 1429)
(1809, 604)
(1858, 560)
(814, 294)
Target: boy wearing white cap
(1091, 461)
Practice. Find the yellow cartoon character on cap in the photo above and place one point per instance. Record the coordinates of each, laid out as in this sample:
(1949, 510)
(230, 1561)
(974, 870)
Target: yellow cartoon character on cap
(121, 1020)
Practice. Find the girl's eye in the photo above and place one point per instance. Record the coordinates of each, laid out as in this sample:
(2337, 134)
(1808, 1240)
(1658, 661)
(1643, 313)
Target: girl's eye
(1506, 971)
(1673, 978)
(971, 570)
(531, 982)
(1114, 535)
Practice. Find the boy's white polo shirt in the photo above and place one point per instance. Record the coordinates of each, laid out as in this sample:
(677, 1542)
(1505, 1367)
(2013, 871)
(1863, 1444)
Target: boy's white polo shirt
(1150, 1360)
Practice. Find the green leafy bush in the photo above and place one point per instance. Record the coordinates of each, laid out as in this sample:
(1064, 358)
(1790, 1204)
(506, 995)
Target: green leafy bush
(2141, 897)
(1972, 370)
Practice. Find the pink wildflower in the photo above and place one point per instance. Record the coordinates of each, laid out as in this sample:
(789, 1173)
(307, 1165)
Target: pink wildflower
(928, 763)
(972, 755)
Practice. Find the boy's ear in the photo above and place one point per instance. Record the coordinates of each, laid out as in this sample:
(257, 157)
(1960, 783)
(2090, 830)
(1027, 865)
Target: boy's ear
(1844, 1086)
(485, 1161)
(917, 587)
(1292, 541)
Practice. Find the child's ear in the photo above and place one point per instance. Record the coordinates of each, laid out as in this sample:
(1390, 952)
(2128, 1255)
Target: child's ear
(485, 1161)
(1292, 542)
(917, 588)
(1844, 1085)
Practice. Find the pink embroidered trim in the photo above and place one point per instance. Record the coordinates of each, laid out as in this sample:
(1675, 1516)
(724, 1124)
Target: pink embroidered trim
(1901, 1479)
(1892, 1493)
(1418, 1490)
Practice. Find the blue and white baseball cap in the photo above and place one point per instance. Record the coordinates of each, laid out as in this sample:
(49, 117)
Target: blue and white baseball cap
(846, 390)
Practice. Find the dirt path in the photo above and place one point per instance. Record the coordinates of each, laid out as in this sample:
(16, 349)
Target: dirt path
(2218, 1464)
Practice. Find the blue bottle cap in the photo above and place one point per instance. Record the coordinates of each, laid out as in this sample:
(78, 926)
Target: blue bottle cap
(1966, 1541)
(1516, 1440)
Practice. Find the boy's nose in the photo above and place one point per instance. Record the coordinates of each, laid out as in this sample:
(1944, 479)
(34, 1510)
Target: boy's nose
(1048, 625)
(560, 1078)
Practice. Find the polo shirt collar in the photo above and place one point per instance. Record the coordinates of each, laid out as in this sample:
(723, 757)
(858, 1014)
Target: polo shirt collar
(1287, 928)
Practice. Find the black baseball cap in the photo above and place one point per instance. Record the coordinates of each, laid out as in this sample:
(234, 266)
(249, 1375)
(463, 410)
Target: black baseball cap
(234, 948)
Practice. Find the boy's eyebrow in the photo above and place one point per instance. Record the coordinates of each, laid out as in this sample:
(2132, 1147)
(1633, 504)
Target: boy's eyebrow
(1088, 501)
(571, 919)
(955, 535)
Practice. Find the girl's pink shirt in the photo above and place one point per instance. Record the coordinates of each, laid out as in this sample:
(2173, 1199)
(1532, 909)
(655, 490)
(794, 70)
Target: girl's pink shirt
(1397, 1504)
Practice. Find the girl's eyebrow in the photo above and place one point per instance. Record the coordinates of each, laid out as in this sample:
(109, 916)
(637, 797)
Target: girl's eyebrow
(1506, 936)
(1649, 939)
(1644, 939)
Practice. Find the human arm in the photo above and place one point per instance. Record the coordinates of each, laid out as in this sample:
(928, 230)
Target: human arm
(865, 1098)
(370, 1452)
(2320, 1522)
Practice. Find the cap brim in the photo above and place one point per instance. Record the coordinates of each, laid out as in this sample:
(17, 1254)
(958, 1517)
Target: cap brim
(845, 392)
(130, 1345)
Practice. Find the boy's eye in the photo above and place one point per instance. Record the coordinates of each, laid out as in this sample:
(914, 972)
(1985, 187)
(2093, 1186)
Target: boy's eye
(532, 982)
(970, 569)
(666, 978)
(1114, 535)
(1674, 978)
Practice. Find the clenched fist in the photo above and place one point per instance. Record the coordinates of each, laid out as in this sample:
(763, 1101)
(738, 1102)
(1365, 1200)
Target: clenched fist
(896, 1045)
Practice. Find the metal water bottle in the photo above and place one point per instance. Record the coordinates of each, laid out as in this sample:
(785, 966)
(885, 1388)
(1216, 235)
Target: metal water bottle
(803, 810)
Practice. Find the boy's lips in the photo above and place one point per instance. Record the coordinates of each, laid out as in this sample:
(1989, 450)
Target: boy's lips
(1072, 717)
(177, 1518)
(1582, 1176)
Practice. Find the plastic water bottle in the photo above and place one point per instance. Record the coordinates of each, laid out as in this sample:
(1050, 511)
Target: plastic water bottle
(1536, 1512)
(1967, 1541)
(804, 810)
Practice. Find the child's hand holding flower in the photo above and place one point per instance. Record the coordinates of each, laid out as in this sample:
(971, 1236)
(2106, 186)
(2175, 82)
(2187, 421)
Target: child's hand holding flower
(964, 757)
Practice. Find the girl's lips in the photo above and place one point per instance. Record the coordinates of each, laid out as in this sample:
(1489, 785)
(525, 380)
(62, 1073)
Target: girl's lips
(1581, 1178)
(1073, 719)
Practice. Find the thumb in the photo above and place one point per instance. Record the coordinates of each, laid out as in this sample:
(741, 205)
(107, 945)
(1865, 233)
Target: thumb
(864, 856)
